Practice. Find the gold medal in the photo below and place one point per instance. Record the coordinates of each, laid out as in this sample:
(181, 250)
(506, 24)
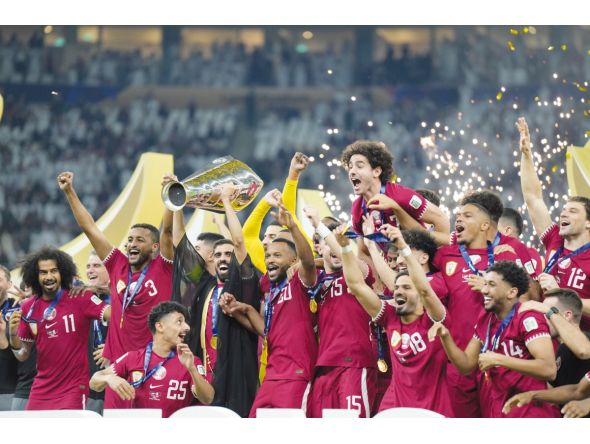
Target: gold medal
(213, 342)
(313, 306)
(382, 365)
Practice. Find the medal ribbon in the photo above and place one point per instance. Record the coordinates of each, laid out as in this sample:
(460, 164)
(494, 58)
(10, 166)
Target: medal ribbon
(491, 260)
(215, 310)
(554, 260)
(98, 339)
(148, 374)
(127, 298)
(274, 292)
(366, 210)
(47, 311)
(322, 278)
(501, 328)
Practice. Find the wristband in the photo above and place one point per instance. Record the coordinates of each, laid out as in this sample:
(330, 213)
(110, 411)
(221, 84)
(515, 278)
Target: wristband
(551, 312)
(323, 231)
(406, 251)
(347, 249)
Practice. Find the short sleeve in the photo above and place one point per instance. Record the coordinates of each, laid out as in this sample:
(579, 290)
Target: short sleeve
(551, 238)
(93, 306)
(439, 286)
(533, 326)
(413, 203)
(119, 367)
(113, 258)
(385, 315)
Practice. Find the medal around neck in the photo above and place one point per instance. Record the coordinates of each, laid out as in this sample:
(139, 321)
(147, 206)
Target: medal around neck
(203, 189)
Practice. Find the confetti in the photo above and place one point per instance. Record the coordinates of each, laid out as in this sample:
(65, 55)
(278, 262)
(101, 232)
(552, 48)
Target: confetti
(550, 48)
(511, 46)
(554, 168)
(514, 32)
(54, 93)
(499, 96)
(564, 47)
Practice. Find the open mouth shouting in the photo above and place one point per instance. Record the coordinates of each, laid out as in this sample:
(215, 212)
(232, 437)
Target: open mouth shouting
(182, 335)
(356, 184)
(459, 229)
(273, 271)
(50, 285)
(133, 254)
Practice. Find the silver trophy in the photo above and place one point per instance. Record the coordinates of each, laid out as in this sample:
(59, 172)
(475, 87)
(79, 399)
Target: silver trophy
(203, 189)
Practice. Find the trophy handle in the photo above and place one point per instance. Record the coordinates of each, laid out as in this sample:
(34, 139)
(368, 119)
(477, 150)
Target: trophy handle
(174, 196)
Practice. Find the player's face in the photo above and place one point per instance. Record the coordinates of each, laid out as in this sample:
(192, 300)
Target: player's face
(572, 220)
(140, 246)
(272, 231)
(506, 228)
(391, 258)
(174, 328)
(361, 175)
(96, 272)
(331, 261)
(494, 291)
(222, 258)
(278, 258)
(49, 277)
(469, 223)
(405, 296)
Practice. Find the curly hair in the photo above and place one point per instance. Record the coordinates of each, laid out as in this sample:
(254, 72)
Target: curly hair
(65, 265)
(163, 309)
(489, 201)
(585, 203)
(513, 274)
(376, 153)
(422, 241)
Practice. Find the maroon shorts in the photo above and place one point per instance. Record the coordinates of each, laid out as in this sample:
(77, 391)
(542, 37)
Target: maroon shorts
(69, 401)
(281, 395)
(342, 388)
(463, 393)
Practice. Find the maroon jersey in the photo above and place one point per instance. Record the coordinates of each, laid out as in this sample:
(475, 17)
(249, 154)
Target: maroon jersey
(464, 305)
(156, 287)
(168, 389)
(61, 338)
(573, 272)
(537, 260)
(414, 360)
(292, 345)
(438, 285)
(344, 326)
(499, 384)
(413, 203)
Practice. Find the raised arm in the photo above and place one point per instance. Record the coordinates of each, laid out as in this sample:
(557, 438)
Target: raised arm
(223, 230)
(99, 242)
(570, 334)
(354, 276)
(233, 223)
(542, 366)
(532, 190)
(385, 274)
(252, 228)
(299, 163)
(432, 215)
(464, 361)
(307, 270)
(434, 307)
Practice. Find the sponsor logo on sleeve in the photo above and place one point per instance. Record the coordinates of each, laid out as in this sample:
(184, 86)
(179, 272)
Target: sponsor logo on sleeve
(201, 370)
(415, 202)
(395, 339)
(529, 267)
(530, 324)
(96, 299)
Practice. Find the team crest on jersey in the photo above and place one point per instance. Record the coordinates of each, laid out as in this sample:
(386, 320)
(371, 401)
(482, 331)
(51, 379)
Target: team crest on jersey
(201, 370)
(450, 268)
(415, 202)
(564, 264)
(530, 266)
(132, 287)
(121, 285)
(52, 334)
(136, 376)
(96, 299)
(49, 315)
(160, 374)
(530, 324)
(395, 339)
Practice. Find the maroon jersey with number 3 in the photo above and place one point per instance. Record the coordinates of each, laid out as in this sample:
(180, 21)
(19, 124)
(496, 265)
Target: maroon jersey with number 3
(156, 288)
(61, 340)
(168, 389)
